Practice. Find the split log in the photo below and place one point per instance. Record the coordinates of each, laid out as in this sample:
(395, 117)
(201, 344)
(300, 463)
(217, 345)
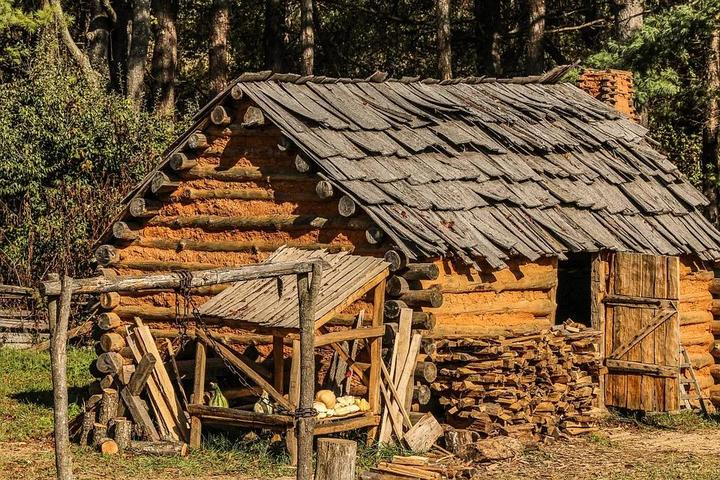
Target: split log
(108, 301)
(246, 194)
(253, 117)
(426, 371)
(161, 184)
(109, 363)
(324, 189)
(142, 372)
(347, 206)
(197, 141)
(335, 459)
(164, 449)
(139, 412)
(374, 235)
(431, 297)
(423, 435)
(108, 406)
(302, 165)
(397, 259)
(106, 255)
(123, 433)
(421, 271)
(107, 382)
(144, 207)
(112, 342)
(219, 116)
(179, 162)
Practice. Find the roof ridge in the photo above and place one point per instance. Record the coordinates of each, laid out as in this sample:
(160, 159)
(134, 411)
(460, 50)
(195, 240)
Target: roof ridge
(552, 76)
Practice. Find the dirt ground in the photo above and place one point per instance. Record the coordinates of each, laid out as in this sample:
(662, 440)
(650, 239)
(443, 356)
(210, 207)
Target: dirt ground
(616, 452)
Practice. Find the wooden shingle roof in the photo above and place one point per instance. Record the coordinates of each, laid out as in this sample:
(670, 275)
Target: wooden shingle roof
(273, 304)
(490, 169)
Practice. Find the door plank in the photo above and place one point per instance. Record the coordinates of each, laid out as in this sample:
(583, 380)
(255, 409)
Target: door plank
(658, 319)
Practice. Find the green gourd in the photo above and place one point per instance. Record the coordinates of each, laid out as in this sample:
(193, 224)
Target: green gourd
(217, 399)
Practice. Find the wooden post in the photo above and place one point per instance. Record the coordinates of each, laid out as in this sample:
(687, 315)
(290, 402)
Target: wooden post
(307, 296)
(52, 305)
(294, 398)
(376, 357)
(58, 360)
(597, 315)
(278, 363)
(198, 393)
(335, 459)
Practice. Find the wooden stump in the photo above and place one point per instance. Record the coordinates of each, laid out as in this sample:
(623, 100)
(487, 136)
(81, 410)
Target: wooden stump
(123, 433)
(335, 459)
(108, 446)
(87, 426)
(108, 405)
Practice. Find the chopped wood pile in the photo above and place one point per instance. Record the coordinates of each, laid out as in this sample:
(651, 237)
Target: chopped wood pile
(435, 465)
(134, 405)
(528, 387)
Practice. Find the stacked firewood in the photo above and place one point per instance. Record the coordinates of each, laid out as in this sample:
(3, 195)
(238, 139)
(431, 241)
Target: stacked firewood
(133, 404)
(529, 387)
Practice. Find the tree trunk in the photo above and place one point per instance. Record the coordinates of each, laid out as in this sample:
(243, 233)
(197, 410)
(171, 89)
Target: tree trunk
(487, 37)
(77, 55)
(442, 12)
(119, 46)
(628, 17)
(711, 130)
(164, 60)
(536, 34)
(102, 20)
(137, 55)
(275, 35)
(218, 54)
(307, 37)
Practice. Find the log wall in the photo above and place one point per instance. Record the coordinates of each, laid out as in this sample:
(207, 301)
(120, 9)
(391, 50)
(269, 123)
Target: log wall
(232, 202)
(519, 299)
(696, 318)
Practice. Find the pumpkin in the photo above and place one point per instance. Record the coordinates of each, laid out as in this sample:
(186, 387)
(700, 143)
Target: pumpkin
(327, 397)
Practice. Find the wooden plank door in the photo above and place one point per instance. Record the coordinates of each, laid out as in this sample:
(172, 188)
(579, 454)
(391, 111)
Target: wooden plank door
(642, 332)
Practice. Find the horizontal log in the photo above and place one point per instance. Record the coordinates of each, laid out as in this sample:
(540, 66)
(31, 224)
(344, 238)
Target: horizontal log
(699, 275)
(421, 394)
(695, 317)
(247, 194)
(108, 321)
(197, 141)
(396, 286)
(220, 116)
(351, 334)
(692, 337)
(538, 281)
(144, 207)
(231, 338)
(480, 331)
(239, 174)
(162, 184)
(179, 162)
(108, 301)
(715, 372)
(274, 222)
(422, 298)
(236, 92)
(696, 297)
(171, 281)
(701, 359)
(615, 365)
(715, 327)
(715, 307)
(149, 313)
(284, 144)
(302, 165)
(166, 449)
(715, 286)
(122, 231)
(106, 255)
(537, 308)
(347, 206)
(421, 271)
(203, 411)
(324, 189)
(236, 245)
(16, 290)
(392, 308)
(162, 266)
(397, 259)
(374, 235)
(253, 117)
(423, 320)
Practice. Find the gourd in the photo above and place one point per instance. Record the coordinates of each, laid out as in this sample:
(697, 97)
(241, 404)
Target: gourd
(217, 399)
(327, 397)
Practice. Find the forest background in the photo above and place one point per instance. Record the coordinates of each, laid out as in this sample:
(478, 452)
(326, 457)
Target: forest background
(92, 91)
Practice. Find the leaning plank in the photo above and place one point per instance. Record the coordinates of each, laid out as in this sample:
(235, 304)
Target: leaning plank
(423, 435)
(140, 414)
(167, 389)
(228, 355)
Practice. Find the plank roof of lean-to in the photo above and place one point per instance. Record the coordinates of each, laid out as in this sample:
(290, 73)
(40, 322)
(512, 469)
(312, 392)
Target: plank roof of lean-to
(273, 303)
(477, 167)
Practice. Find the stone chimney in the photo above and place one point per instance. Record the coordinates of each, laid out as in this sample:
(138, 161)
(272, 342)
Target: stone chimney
(614, 87)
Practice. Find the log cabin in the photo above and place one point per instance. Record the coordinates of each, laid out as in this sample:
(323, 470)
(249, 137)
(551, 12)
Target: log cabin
(503, 206)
